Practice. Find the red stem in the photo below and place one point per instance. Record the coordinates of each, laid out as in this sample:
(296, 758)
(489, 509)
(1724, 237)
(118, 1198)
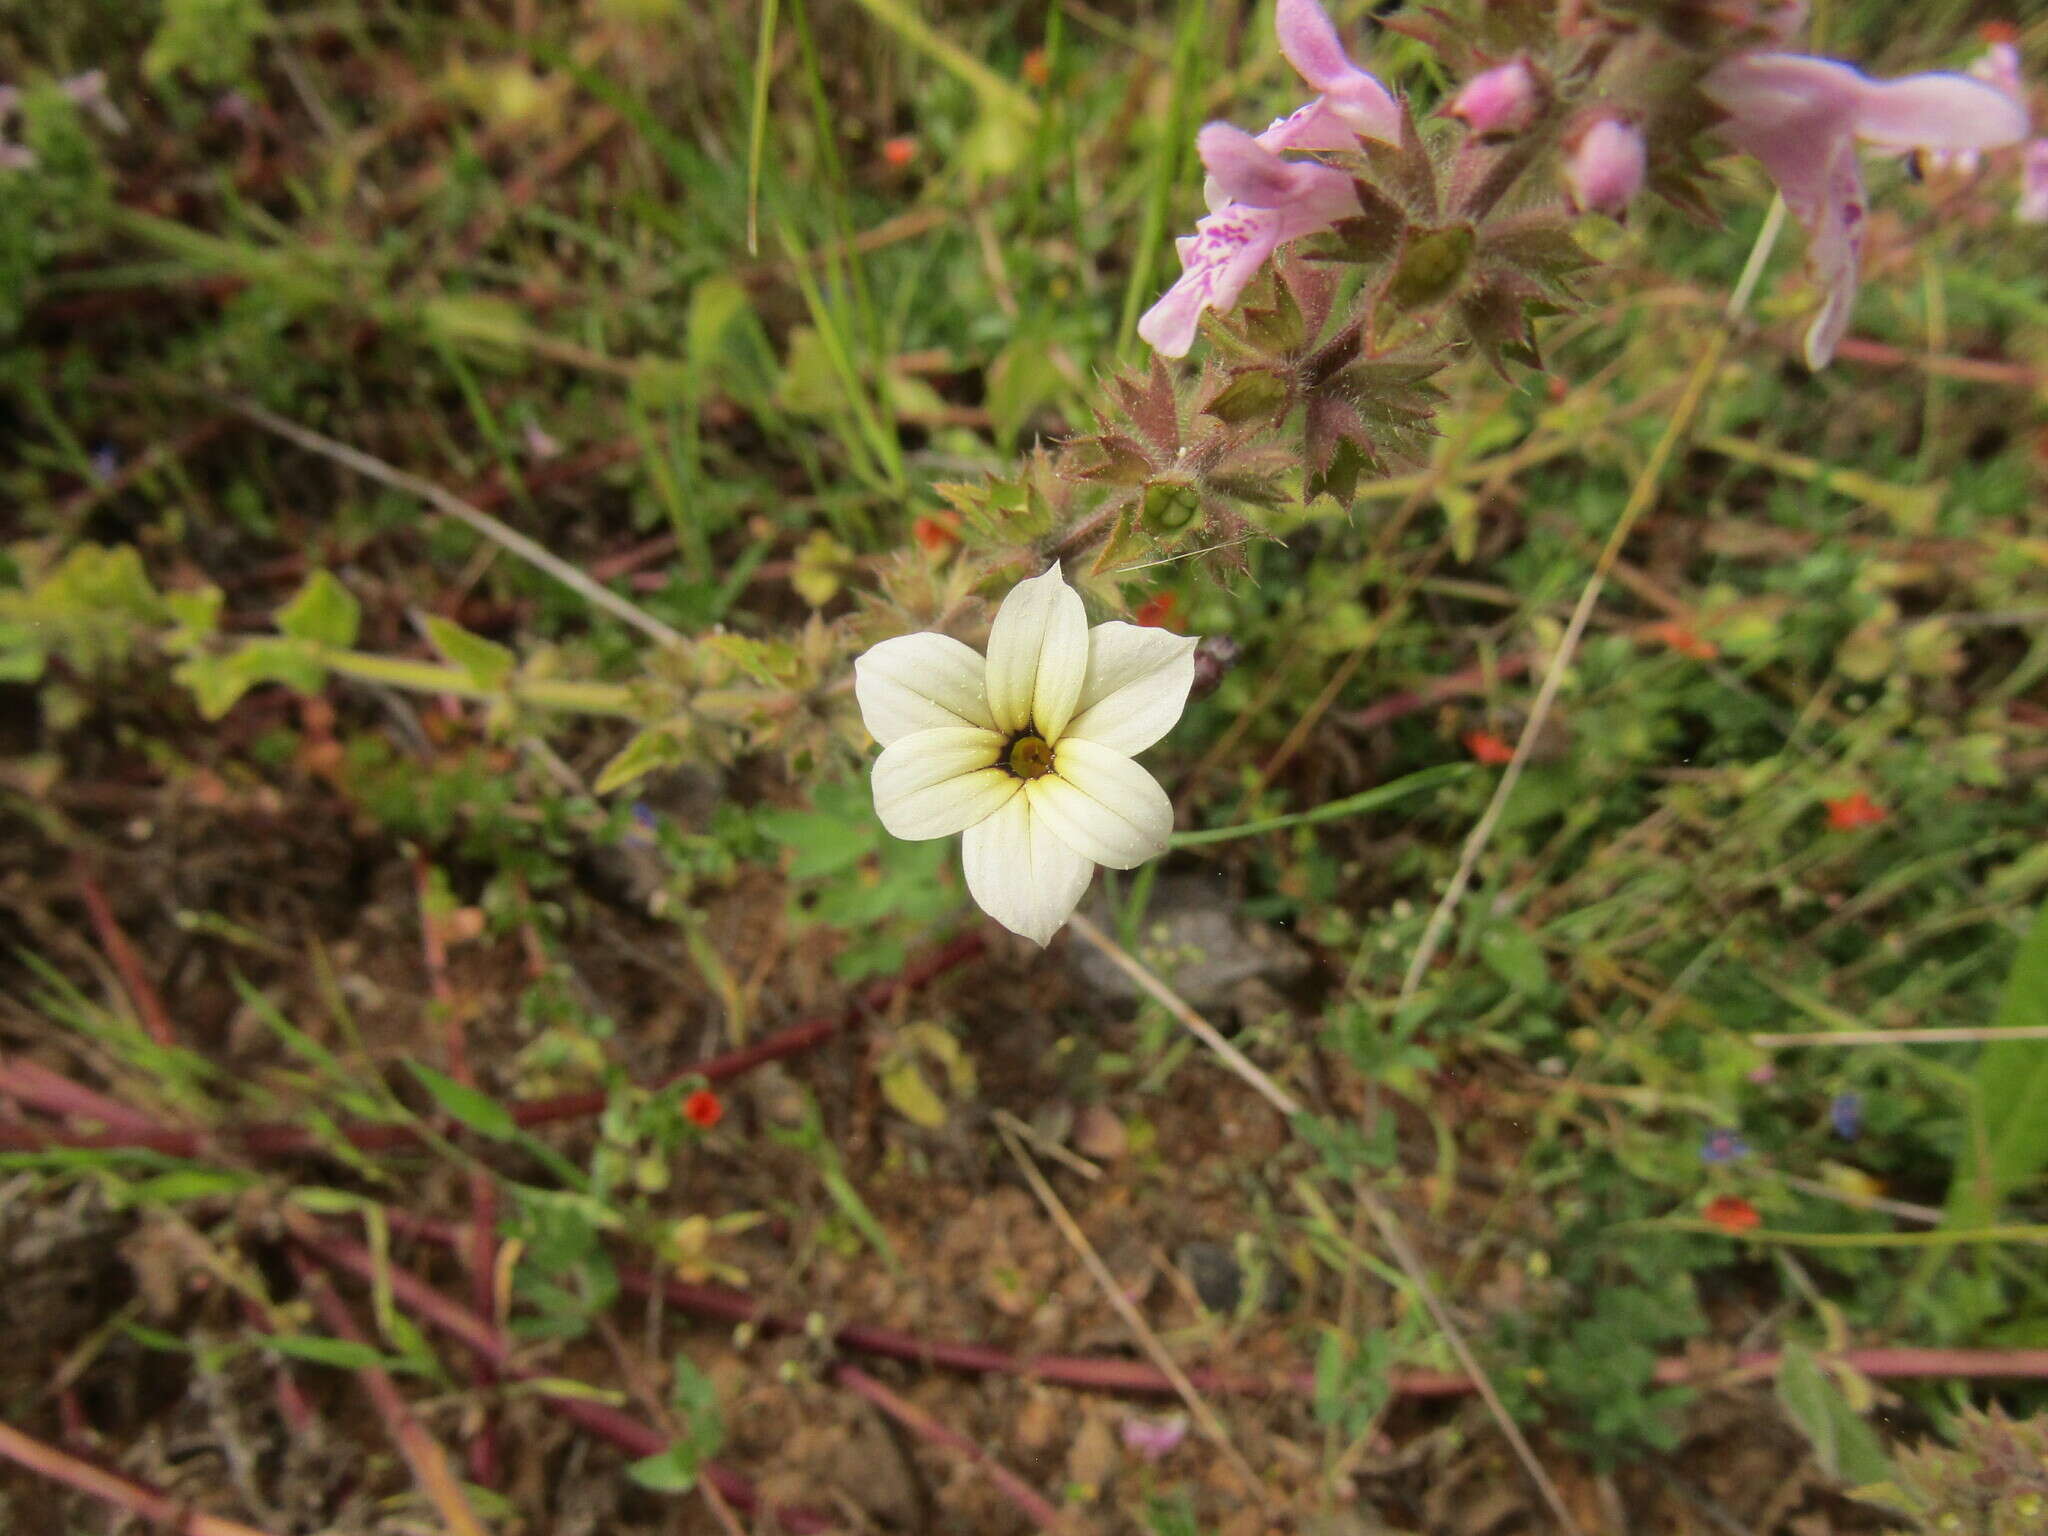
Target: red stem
(292, 1403)
(164, 1514)
(1022, 1494)
(280, 1140)
(481, 1453)
(431, 1307)
(1101, 1374)
(421, 1450)
(122, 953)
(35, 1085)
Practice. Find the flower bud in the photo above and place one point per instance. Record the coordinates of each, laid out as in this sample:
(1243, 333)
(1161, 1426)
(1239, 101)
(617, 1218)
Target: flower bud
(1604, 169)
(1502, 100)
(1214, 656)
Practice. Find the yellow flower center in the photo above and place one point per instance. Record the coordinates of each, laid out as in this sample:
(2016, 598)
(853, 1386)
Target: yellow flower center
(1030, 757)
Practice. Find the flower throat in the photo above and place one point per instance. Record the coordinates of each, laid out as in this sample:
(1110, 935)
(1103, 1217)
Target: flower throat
(1029, 756)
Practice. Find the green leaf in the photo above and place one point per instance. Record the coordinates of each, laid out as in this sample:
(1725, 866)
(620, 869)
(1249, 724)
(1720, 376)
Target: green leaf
(2008, 1143)
(217, 682)
(189, 1184)
(1512, 953)
(487, 663)
(324, 612)
(479, 1111)
(1847, 1449)
(343, 1354)
(904, 1086)
(658, 746)
(824, 845)
(671, 1471)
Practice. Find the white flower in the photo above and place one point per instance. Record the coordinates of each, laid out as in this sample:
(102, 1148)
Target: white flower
(1028, 753)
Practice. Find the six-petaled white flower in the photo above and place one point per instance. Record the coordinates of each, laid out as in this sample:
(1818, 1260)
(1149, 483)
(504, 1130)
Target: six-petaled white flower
(1029, 752)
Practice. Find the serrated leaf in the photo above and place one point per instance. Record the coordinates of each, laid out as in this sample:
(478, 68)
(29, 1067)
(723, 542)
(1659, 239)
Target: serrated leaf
(487, 663)
(657, 746)
(1255, 395)
(218, 681)
(323, 611)
(465, 1105)
(1118, 460)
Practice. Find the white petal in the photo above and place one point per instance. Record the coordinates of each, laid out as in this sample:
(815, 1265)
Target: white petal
(1037, 655)
(936, 783)
(920, 683)
(1023, 876)
(1137, 685)
(1102, 805)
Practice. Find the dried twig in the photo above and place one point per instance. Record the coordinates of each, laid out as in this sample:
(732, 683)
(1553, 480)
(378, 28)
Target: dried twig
(451, 505)
(1382, 1218)
(1640, 496)
(1205, 1416)
(1192, 1021)
(1036, 1507)
(166, 1515)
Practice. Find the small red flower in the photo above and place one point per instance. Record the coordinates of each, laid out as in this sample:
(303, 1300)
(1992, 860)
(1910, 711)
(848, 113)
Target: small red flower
(936, 532)
(1160, 611)
(1488, 748)
(1038, 67)
(1996, 32)
(703, 1109)
(1732, 1214)
(899, 151)
(1683, 640)
(1853, 811)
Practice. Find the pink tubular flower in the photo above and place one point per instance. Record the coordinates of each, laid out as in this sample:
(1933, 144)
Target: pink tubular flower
(1998, 65)
(1801, 117)
(1311, 44)
(1268, 201)
(1605, 168)
(1499, 100)
(1257, 201)
(2033, 204)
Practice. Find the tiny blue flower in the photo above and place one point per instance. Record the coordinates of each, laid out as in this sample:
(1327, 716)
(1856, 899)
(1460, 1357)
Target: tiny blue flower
(1845, 1114)
(1723, 1147)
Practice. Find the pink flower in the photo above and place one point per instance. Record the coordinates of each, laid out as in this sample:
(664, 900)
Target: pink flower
(1499, 100)
(1998, 65)
(2033, 203)
(1154, 1439)
(1801, 117)
(1358, 100)
(1604, 169)
(1267, 201)
(1257, 201)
